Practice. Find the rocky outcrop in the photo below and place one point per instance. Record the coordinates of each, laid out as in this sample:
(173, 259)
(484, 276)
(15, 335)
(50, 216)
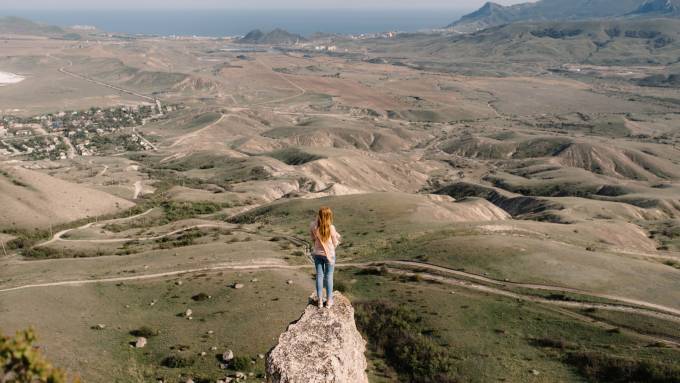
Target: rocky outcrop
(323, 346)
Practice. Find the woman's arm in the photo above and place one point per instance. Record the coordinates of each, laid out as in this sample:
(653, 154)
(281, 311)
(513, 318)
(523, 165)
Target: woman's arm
(335, 236)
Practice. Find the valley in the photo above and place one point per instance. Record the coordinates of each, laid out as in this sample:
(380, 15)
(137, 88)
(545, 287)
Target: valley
(512, 194)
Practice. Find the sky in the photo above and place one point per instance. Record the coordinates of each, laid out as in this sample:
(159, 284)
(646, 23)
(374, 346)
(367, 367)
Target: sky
(244, 4)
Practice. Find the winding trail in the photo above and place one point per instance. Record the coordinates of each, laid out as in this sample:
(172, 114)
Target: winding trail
(274, 264)
(425, 270)
(302, 90)
(196, 133)
(138, 189)
(59, 235)
(101, 83)
(101, 174)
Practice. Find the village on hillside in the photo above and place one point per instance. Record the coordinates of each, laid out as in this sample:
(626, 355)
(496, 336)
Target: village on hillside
(67, 134)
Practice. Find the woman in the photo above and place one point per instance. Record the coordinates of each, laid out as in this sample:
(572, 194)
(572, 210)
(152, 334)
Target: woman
(325, 239)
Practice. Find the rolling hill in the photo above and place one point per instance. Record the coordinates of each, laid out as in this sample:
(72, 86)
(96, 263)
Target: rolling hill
(276, 37)
(32, 199)
(492, 14)
(632, 41)
(17, 25)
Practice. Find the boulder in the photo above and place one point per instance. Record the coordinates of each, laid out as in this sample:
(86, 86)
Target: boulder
(140, 342)
(227, 356)
(238, 286)
(323, 346)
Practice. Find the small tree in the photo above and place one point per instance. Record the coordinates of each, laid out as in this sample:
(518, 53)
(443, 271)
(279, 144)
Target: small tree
(20, 362)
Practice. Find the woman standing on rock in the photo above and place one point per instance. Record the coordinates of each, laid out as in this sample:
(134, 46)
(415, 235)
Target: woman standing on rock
(325, 239)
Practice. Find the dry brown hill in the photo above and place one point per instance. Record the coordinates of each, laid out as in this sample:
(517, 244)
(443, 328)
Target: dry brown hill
(32, 199)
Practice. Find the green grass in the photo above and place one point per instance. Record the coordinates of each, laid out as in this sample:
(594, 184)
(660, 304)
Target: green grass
(491, 338)
(397, 334)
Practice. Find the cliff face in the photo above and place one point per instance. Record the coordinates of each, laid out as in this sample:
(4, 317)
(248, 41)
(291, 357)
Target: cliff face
(323, 346)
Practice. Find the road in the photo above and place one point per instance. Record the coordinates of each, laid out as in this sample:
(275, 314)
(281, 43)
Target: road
(274, 264)
(134, 131)
(101, 83)
(412, 264)
(197, 132)
(302, 90)
(425, 270)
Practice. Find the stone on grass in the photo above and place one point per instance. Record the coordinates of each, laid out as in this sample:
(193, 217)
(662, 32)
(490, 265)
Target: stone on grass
(227, 356)
(238, 286)
(534, 372)
(290, 281)
(140, 342)
(260, 356)
(188, 313)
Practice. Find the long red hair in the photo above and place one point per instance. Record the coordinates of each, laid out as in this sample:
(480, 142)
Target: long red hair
(324, 220)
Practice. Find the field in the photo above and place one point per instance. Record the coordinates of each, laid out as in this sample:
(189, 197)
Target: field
(523, 219)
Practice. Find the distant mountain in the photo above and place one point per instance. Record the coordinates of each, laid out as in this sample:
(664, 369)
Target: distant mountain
(659, 8)
(275, 37)
(492, 14)
(19, 26)
(537, 46)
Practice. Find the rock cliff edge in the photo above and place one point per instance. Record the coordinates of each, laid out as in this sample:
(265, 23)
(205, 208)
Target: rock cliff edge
(323, 346)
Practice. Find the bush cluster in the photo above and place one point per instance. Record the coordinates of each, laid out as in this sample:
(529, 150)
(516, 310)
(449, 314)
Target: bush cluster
(599, 367)
(399, 335)
(20, 362)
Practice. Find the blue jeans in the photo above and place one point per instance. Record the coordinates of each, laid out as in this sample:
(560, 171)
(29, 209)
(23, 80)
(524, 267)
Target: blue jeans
(324, 272)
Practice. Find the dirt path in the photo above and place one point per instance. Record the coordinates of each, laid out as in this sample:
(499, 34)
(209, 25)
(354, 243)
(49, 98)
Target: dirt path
(134, 131)
(71, 149)
(490, 285)
(101, 174)
(302, 90)
(138, 189)
(273, 264)
(633, 302)
(196, 133)
(101, 83)
(58, 236)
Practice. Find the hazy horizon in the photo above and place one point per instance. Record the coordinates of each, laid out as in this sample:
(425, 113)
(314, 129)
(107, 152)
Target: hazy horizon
(44, 5)
(230, 22)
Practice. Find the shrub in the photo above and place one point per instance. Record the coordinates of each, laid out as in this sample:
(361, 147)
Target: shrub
(20, 362)
(382, 271)
(175, 211)
(200, 297)
(240, 363)
(178, 361)
(553, 343)
(144, 331)
(599, 367)
(399, 335)
(340, 286)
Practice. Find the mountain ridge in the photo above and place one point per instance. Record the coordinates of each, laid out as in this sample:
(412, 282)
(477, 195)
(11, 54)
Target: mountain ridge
(493, 14)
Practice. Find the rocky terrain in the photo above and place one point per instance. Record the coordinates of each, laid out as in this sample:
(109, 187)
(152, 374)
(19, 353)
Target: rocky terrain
(323, 346)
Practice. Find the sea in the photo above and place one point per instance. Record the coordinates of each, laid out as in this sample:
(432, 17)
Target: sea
(217, 23)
